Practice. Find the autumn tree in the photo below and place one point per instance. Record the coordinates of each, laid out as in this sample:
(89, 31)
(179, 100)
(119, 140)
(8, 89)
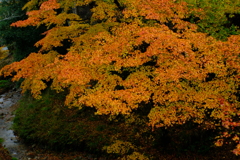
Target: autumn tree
(127, 54)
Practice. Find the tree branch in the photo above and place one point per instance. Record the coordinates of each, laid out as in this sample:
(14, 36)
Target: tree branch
(11, 17)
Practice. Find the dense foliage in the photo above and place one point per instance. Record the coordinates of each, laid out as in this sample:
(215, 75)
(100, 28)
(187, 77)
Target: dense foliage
(127, 57)
(220, 18)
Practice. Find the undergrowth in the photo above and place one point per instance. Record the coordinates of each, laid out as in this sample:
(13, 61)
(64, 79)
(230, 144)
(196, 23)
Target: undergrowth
(50, 123)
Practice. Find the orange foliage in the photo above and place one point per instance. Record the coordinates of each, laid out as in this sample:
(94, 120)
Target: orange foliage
(133, 52)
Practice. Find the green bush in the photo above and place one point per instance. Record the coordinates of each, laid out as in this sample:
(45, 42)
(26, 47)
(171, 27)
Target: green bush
(1, 140)
(5, 83)
(220, 18)
(48, 122)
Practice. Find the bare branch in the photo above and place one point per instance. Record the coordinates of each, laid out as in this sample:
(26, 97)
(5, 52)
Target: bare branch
(11, 17)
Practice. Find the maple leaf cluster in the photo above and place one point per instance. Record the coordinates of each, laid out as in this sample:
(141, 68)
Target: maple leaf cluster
(133, 52)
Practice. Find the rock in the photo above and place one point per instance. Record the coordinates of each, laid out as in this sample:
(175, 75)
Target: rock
(14, 139)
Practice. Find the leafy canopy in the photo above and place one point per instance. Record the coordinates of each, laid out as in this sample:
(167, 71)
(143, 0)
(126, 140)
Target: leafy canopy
(127, 53)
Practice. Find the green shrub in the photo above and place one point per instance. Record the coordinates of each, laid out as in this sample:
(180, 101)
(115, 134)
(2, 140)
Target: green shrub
(48, 122)
(1, 140)
(5, 83)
